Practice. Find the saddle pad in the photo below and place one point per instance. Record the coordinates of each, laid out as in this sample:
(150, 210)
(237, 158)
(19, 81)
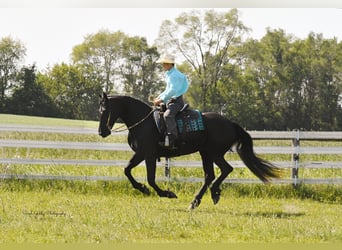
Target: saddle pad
(189, 121)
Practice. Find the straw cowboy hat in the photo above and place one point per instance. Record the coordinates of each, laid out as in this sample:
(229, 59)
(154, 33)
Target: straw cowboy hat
(166, 58)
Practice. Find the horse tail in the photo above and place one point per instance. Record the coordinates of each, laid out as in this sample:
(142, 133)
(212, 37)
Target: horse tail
(263, 169)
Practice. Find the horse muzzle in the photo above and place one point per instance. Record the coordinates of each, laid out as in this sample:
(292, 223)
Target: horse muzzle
(104, 132)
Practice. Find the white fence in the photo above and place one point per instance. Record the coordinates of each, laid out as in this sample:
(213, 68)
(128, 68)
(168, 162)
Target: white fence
(295, 151)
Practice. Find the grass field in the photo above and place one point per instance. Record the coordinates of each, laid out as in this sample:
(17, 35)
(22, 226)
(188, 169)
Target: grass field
(112, 212)
(73, 212)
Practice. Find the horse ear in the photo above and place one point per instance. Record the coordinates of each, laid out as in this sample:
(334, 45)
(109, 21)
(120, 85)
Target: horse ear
(104, 95)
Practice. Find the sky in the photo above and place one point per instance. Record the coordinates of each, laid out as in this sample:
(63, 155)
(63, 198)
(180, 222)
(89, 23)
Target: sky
(49, 34)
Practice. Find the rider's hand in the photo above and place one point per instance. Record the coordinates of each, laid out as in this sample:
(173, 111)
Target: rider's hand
(157, 102)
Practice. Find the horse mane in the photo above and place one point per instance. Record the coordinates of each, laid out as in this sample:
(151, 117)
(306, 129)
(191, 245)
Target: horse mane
(130, 99)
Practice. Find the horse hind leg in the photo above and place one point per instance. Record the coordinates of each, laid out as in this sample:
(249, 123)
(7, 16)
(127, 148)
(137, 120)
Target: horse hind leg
(226, 169)
(208, 167)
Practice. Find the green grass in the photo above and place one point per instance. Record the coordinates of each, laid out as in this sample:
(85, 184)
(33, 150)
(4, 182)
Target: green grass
(104, 212)
(113, 212)
(42, 121)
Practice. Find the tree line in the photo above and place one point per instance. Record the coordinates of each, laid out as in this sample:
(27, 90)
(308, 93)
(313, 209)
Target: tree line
(278, 82)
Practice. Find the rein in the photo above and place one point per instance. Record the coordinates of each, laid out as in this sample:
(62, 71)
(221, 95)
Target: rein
(119, 129)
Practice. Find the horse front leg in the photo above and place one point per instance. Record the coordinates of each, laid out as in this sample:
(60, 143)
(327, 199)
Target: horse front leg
(151, 166)
(134, 161)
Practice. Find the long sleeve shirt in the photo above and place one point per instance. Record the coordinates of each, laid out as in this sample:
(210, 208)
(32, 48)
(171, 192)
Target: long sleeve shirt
(176, 85)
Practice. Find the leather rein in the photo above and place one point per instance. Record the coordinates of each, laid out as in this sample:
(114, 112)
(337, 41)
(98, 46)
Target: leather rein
(119, 129)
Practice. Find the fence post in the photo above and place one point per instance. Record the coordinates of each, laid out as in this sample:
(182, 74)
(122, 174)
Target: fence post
(167, 168)
(295, 157)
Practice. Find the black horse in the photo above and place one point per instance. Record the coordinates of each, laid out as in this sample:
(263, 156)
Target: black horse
(219, 136)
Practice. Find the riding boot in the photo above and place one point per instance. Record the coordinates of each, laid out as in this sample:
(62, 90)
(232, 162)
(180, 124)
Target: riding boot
(170, 140)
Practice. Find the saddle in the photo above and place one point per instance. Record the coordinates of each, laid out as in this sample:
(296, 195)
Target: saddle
(187, 120)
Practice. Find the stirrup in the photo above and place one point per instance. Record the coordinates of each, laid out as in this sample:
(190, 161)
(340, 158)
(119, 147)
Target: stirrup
(170, 140)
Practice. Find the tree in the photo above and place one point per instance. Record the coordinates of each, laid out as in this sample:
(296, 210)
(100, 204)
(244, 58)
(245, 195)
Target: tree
(29, 97)
(321, 82)
(139, 69)
(240, 98)
(75, 96)
(11, 53)
(205, 42)
(268, 63)
(100, 55)
(298, 83)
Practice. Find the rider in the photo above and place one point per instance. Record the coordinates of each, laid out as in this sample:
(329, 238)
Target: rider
(176, 85)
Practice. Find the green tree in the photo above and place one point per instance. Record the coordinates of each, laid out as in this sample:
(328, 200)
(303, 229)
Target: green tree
(205, 41)
(101, 55)
(139, 69)
(11, 53)
(298, 82)
(264, 66)
(240, 97)
(75, 96)
(29, 97)
(321, 82)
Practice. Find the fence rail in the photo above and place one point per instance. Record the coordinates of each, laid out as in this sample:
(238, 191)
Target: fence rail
(295, 151)
(177, 163)
(125, 147)
(267, 135)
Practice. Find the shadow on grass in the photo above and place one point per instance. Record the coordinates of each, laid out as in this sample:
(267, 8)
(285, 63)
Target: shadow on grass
(279, 215)
(320, 192)
(261, 214)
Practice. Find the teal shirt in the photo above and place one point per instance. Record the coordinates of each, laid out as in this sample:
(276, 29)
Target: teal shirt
(176, 85)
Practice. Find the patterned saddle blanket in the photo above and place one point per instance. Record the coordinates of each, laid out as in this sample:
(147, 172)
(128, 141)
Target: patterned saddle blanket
(187, 120)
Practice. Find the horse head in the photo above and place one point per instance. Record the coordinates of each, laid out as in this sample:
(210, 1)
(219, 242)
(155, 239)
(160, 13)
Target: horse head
(106, 123)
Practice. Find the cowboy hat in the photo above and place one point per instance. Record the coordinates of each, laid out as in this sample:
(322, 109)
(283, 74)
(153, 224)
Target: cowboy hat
(166, 58)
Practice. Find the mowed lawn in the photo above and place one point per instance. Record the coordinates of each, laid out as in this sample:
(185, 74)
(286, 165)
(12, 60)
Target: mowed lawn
(103, 212)
(53, 211)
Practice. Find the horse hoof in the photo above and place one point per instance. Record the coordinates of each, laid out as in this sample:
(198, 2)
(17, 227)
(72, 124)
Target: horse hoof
(144, 190)
(216, 199)
(194, 204)
(191, 207)
(215, 196)
(171, 195)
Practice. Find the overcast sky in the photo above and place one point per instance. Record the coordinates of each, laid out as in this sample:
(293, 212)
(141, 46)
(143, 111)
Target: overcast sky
(49, 34)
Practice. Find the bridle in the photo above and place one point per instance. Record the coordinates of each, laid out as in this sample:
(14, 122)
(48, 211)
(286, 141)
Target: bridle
(120, 128)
